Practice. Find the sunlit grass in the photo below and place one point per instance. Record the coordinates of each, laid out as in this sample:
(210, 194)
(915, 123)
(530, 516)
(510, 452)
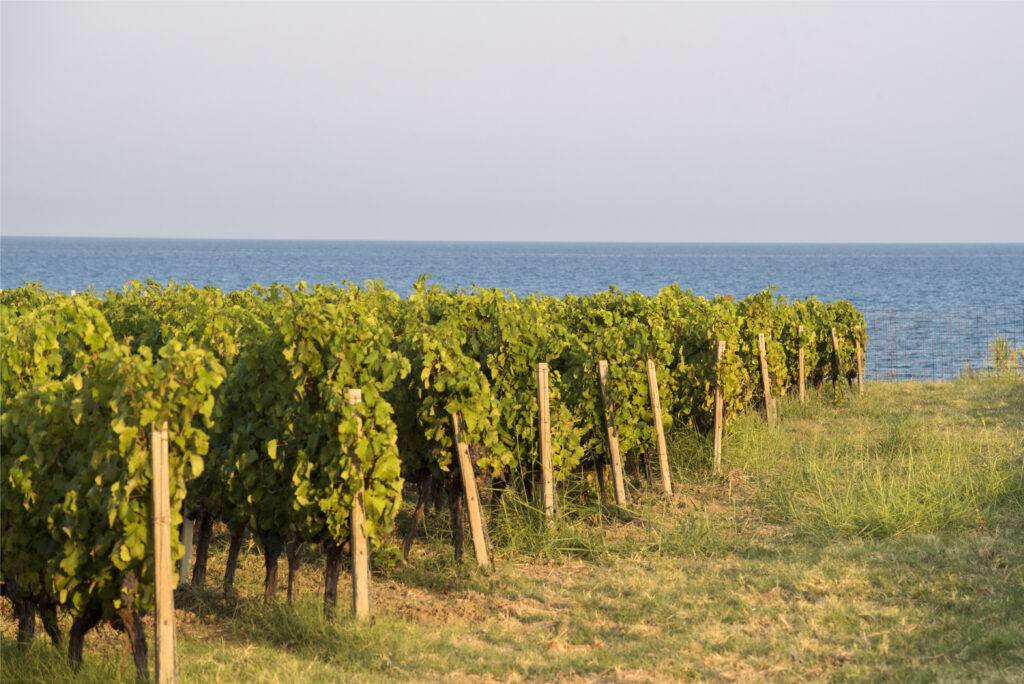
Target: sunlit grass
(876, 539)
(878, 467)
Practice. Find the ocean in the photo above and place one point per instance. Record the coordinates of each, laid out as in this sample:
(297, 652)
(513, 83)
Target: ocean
(940, 302)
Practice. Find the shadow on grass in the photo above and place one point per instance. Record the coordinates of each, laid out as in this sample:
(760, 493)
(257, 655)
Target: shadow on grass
(966, 595)
(998, 401)
(41, 663)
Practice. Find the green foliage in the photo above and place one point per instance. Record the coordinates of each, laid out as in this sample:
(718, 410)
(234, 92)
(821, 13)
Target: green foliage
(296, 451)
(1003, 357)
(512, 337)
(76, 454)
(333, 344)
(255, 388)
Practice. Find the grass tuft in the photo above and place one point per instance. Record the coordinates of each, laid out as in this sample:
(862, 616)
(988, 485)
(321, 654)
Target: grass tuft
(883, 478)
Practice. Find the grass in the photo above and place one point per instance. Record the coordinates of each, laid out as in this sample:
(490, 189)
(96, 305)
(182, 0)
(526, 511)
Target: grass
(869, 470)
(876, 540)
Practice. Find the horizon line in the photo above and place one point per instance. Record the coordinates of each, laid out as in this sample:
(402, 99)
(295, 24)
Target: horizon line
(551, 242)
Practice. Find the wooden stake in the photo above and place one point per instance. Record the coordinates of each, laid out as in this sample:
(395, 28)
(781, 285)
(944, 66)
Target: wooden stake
(652, 385)
(860, 363)
(618, 478)
(802, 375)
(766, 384)
(476, 520)
(185, 568)
(547, 470)
(719, 406)
(359, 545)
(166, 662)
(837, 362)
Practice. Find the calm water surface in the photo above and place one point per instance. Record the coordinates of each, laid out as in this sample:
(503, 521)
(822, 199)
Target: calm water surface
(870, 276)
(936, 277)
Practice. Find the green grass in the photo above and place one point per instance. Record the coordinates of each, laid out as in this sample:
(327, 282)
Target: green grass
(864, 471)
(874, 540)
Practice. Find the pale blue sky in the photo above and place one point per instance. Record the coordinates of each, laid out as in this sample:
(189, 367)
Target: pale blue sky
(515, 121)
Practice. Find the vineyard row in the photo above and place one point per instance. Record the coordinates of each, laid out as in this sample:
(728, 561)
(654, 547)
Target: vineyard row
(300, 415)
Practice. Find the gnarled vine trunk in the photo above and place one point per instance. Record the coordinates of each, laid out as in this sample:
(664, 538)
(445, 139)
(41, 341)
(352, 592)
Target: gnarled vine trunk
(458, 528)
(272, 547)
(135, 635)
(332, 570)
(80, 626)
(426, 493)
(204, 536)
(229, 571)
(25, 610)
(292, 547)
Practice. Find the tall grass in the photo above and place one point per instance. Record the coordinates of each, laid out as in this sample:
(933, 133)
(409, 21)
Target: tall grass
(870, 466)
(41, 663)
(847, 475)
(518, 526)
(735, 576)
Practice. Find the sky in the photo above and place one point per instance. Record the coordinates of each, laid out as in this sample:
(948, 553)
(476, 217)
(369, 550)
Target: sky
(567, 121)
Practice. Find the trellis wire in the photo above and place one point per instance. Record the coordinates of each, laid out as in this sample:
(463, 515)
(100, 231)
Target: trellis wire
(937, 344)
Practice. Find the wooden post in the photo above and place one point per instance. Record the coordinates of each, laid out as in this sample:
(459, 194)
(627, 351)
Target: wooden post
(185, 568)
(801, 373)
(766, 383)
(652, 385)
(166, 661)
(837, 362)
(476, 520)
(359, 545)
(547, 469)
(719, 406)
(618, 478)
(860, 362)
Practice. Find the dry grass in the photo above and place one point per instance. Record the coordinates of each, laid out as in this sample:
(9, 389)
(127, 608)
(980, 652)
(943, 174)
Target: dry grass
(718, 583)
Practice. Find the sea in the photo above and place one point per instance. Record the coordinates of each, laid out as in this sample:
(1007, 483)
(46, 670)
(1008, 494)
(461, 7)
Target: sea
(932, 309)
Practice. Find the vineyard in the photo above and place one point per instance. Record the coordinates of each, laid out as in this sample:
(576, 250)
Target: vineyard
(301, 416)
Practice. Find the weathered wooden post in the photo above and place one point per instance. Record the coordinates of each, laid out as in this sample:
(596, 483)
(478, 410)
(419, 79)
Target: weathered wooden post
(766, 385)
(359, 544)
(476, 521)
(801, 373)
(719, 406)
(837, 362)
(547, 470)
(652, 385)
(618, 478)
(166, 660)
(860, 361)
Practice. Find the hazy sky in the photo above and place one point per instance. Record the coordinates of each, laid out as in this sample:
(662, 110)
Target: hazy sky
(515, 121)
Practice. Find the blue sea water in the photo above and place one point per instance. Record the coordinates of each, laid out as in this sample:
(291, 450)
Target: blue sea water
(870, 276)
(918, 277)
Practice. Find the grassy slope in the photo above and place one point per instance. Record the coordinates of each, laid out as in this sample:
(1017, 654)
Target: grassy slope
(877, 540)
